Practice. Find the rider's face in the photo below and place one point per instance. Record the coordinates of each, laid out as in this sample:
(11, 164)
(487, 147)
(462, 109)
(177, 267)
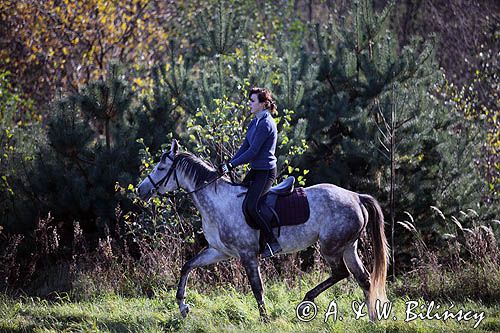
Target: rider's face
(254, 104)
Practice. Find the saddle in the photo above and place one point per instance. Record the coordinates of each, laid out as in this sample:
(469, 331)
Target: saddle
(288, 204)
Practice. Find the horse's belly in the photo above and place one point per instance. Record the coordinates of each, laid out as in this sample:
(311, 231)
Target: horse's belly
(212, 235)
(296, 238)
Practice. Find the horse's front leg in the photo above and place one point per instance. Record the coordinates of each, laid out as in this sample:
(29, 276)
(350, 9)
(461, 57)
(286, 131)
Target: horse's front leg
(252, 269)
(206, 257)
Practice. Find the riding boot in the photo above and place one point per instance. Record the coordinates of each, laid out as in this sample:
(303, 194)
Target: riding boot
(272, 246)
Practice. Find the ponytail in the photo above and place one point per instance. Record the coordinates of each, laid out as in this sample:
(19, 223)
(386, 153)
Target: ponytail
(273, 107)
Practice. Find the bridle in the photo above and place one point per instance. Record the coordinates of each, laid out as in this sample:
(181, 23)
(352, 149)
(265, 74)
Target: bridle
(164, 180)
(167, 176)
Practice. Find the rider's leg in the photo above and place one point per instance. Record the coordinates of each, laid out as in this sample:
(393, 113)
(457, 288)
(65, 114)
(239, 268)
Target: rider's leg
(262, 182)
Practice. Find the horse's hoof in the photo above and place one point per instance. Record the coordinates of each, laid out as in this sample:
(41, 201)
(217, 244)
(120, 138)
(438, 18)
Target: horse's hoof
(184, 310)
(265, 319)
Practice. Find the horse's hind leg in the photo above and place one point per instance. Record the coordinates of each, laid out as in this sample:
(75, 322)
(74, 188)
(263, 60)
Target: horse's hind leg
(359, 271)
(206, 257)
(339, 272)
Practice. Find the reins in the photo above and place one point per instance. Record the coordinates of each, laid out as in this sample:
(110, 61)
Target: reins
(202, 186)
(173, 170)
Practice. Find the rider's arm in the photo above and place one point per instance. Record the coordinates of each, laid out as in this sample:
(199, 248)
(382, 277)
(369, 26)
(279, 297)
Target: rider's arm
(242, 149)
(245, 144)
(261, 135)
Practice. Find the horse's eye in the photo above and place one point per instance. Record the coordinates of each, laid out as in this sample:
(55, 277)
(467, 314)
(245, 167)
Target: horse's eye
(161, 169)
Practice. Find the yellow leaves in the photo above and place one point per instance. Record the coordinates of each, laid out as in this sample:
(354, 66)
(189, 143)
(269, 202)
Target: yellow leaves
(92, 51)
(140, 24)
(275, 78)
(139, 81)
(78, 32)
(239, 52)
(101, 5)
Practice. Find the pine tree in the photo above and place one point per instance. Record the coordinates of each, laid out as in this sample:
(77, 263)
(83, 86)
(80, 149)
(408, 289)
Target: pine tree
(159, 115)
(91, 146)
(223, 33)
(212, 81)
(369, 108)
(20, 134)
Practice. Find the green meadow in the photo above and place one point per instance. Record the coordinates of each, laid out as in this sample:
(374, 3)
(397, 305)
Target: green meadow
(222, 309)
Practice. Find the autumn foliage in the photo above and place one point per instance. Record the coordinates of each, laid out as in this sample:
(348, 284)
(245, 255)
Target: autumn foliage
(57, 45)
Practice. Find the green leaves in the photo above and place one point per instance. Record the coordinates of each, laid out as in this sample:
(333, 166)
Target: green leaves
(217, 133)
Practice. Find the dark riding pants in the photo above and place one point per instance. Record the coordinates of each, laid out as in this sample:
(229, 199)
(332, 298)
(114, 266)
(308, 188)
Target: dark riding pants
(259, 182)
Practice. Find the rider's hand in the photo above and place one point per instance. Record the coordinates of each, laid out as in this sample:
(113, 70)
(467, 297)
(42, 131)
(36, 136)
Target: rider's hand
(225, 168)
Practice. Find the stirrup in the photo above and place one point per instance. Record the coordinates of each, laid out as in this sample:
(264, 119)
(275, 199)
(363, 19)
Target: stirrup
(271, 250)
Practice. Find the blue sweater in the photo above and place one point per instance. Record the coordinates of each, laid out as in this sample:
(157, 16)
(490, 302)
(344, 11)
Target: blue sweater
(260, 144)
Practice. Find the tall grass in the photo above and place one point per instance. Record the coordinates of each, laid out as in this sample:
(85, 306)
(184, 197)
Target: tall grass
(109, 290)
(222, 309)
(112, 268)
(466, 266)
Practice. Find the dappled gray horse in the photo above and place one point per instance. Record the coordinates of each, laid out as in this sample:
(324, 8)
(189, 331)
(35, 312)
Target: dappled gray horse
(337, 219)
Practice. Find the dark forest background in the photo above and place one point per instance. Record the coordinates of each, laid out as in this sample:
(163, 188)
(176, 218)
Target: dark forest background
(395, 99)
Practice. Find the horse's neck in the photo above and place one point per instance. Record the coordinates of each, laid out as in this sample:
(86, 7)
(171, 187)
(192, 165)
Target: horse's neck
(214, 197)
(185, 182)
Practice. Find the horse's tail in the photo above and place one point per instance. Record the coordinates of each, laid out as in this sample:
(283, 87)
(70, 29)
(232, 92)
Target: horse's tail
(381, 249)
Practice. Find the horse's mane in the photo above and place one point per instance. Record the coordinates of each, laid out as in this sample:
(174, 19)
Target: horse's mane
(195, 168)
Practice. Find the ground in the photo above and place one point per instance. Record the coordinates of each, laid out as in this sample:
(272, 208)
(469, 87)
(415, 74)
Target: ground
(226, 309)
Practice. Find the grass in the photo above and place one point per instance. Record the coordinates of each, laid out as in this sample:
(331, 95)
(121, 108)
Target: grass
(226, 309)
(462, 278)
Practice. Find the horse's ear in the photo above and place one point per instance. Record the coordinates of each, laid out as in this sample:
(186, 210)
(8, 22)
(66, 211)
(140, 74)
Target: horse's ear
(174, 148)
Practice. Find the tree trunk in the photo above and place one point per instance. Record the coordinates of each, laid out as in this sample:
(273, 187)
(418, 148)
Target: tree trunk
(107, 134)
(393, 180)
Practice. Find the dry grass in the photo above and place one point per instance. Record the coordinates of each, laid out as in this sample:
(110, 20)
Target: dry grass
(467, 267)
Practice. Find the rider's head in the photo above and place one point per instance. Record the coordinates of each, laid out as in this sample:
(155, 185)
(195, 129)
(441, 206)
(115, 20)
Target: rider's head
(261, 99)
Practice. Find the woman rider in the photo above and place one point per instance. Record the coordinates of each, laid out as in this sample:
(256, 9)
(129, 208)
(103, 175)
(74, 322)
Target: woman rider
(258, 149)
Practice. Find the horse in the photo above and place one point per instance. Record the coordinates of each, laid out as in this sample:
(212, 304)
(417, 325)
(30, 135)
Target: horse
(337, 219)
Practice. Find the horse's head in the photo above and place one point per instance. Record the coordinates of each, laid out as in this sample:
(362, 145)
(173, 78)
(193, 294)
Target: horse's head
(163, 178)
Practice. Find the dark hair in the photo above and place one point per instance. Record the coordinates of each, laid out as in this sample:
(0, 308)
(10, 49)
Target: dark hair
(264, 96)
